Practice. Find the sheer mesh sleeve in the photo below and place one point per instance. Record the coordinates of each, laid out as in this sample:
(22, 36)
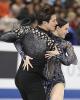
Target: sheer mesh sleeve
(69, 57)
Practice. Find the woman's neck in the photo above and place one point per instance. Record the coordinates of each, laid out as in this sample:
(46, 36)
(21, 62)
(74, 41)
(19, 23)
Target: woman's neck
(55, 33)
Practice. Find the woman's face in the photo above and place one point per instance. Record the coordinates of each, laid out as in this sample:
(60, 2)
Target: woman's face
(63, 30)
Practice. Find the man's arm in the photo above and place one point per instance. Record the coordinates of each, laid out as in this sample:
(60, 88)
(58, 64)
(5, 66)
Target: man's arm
(14, 34)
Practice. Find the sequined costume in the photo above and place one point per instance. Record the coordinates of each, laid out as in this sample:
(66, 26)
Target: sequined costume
(53, 71)
(34, 44)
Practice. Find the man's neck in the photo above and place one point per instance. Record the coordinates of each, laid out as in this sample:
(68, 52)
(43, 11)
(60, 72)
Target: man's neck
(43, 27)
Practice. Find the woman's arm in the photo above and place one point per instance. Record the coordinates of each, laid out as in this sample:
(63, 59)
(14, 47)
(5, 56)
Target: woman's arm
(27, 64)
(69, 57)
(65, 58)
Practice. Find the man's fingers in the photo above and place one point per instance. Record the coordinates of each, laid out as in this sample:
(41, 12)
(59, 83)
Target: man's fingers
(47, 54)
(48, 51)
(49, 57)
(55, 47)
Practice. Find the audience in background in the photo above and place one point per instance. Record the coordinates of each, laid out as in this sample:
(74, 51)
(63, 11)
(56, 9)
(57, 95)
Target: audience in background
(25, 11)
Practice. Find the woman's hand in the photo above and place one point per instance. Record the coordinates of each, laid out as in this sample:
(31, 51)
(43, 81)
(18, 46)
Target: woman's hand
(27, 63)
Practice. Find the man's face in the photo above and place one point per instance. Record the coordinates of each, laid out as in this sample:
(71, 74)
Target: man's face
(52, 23)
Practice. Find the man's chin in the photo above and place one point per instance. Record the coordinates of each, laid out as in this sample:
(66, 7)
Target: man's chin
(53, 29)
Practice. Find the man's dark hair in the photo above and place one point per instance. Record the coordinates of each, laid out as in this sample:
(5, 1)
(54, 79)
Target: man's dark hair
(28, 21)
(45, 14)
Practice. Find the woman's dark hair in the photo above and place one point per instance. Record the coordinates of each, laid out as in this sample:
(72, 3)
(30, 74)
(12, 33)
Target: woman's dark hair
(44, 14)
(61, 22)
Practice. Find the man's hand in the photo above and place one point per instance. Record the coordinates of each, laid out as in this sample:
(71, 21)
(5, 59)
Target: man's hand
(27, 63)
(50, 54)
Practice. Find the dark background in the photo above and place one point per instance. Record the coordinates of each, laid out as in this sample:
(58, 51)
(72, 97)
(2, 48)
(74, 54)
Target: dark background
(8, 64)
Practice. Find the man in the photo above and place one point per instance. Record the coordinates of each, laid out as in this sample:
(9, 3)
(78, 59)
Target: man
(34, 44)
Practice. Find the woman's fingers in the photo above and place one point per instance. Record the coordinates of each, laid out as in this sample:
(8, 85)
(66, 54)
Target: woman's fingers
(30, 58)
(30, 65)
(27, 67)
(27, 63)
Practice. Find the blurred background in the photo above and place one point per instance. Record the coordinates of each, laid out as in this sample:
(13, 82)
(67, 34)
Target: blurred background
(24, 10)
(12, 11)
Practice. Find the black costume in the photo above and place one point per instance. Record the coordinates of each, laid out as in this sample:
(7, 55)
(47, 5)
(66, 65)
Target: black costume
(53, 71)
(34, 44)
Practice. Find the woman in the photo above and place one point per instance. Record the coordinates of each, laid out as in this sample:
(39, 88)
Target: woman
(55, 83)
(34, 44)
